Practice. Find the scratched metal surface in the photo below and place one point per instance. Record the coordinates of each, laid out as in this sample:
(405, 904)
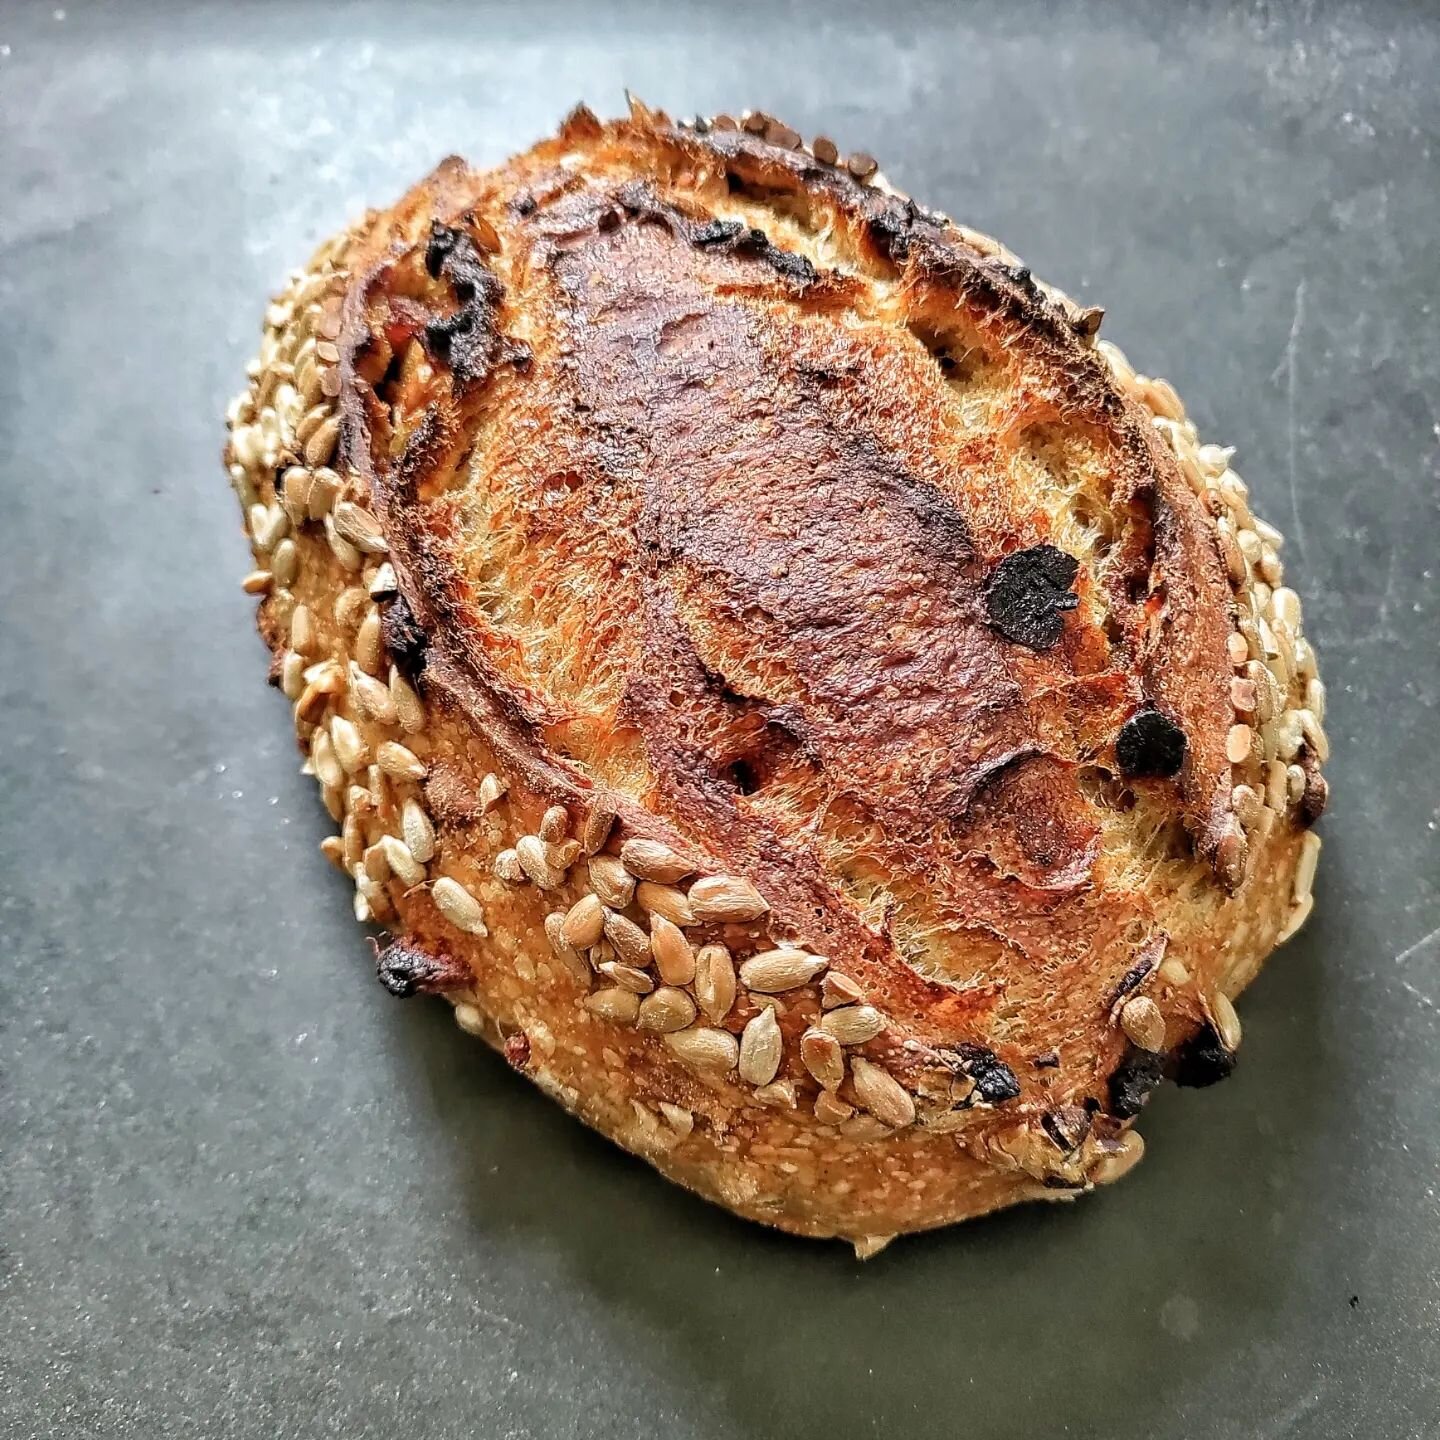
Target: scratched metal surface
(245, 1193)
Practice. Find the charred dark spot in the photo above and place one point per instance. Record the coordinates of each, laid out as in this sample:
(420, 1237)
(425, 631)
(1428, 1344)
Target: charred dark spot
(404, 637)
(517, 1049)
(1316, 795)
(275, 673)
(1059, 1182)
(1150, 743)
(995, 1081)
(468, 341)
(890, 227)
(524, 203)
(1203, 1059)
(1067, 1127)
(1050, 1060)
(1130, 1086)
(1140, 971)
(442, 242)
(1028, 592)
(405, 970)
(753, 244)
(717, 232)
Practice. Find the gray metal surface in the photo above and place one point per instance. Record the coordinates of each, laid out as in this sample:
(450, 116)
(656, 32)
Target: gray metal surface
(248, 1195)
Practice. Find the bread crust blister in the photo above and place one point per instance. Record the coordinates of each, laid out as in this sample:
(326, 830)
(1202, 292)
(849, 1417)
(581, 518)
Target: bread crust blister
(795, 690)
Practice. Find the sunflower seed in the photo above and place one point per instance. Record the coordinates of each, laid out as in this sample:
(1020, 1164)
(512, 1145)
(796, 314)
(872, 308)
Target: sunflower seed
(674, 958)
(408, 870)
(332, 847)
(349, 744)
(530, 852)
(384, 584)
(681, 1121)
(780, 1094)
(394, 759)
(1142, 1022)
(774, 971)
(1238, 744)
(304, 637)
(362, 909)
(664, 900)
(837, 989)
(823, 1058)
(630, 941)
(1299, 914)
(322, 756)
(882, 1094)
(1306, 864)
(572, 959)
(458, 906)
(350, 606)
(324, 487)
(418, 831)
(292, 675)
(371, 697)
(409, 708)
(334, 803)
(853, 1024)
(1227, 1022)
(650, 860)
(725, 898)
(585, 922)
(357, 525)
(273, 523)
(598, 824)
(562, 856)
(507, 867)
(555, 824)
(349, 557)
(714, 981)
(257, 582)
(1117, 1157)
(760, 1047)
(830, 1109)
(375, 864)
(469, 1019)
(321, 444)
(621, 1006)
(863, 1128)
(702, 1048)
(285, 562)
(667, 1010)
(492, 791)
(627, 977)
(352, 837)
(611, 881)
(1314, 734)
(368, 645)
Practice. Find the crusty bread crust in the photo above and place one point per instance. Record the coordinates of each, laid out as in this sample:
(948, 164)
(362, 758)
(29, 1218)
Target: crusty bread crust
(818, 711)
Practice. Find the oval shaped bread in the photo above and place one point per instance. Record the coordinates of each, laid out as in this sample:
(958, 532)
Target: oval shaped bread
(815, 708)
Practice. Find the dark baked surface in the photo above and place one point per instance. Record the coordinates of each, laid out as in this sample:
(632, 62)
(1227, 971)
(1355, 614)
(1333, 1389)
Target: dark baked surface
(672, 505)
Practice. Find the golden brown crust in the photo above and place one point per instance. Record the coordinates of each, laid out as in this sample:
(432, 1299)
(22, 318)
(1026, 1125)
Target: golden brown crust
(675, 475)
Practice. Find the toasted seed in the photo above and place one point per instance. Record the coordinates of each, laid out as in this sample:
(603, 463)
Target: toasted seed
(596, 832)
(562, 856)
(1299, 914)
(863, 1128)
(1315, 737)
(332, 847)
(667, 1010)
(779, 1093)
(830, 1109)
(268, 525)
(349, 743)
(349, 557)
(458, 905)
(1142, 1022)
(357, 525)
(837, 989)
(323, 757)
(760, 1047)
(555, 824)
(823, 1057)
(321, 444)
(334, 803)
(611, 881)
(419, 832)
(680, 1120)
(824, 150)
(714, 981)
(703, 1048)
(350, 606)
(627, 977)
(285, 562)
(409, 708)
(853, 1024)
(585, 922)
(630, 941)
(492, 791)
(1227, 1022)
(564, 951)
(882, 1094)
(292, 675)
(369, 644)
(1306, 865)
(530, 852)
(1238, 744)
(383, 583)
(375, 779)
(375, 865)
(324, 487)
(724, 898)
(408, 870)
(352, 837)
(650, 860)
(621, 1006)
(257, 582)
(394, 759)
(371, 696)
(774, 971)
(1117, 1157)
(666, 900)
(304, 636)
(674, 958)
(508, 868)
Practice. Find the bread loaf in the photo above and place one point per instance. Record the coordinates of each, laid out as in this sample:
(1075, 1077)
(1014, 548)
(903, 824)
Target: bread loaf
(788, 684)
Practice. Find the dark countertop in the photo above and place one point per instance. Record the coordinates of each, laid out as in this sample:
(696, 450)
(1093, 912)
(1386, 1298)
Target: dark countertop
(245, 1194)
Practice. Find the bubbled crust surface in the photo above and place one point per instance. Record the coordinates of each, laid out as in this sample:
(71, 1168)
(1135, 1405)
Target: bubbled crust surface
(695, 459)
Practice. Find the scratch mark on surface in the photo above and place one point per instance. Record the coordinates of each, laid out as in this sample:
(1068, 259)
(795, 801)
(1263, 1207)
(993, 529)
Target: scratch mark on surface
(1289, 366)
(1419, 945)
